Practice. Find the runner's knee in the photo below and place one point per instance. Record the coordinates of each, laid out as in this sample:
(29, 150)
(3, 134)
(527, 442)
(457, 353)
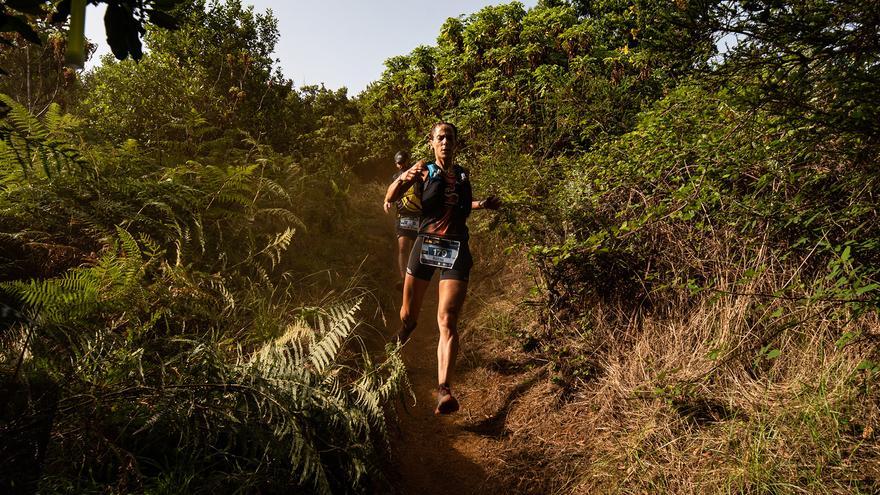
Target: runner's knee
(448, 321)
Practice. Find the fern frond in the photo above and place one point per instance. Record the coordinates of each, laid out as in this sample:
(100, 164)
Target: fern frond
(53, 118)
(80, 291)
(29, 142)
(129, 245)
(277, 246)
(283, 214)
(228, 297)
(274, 187)
(22, 120)
(340, 325)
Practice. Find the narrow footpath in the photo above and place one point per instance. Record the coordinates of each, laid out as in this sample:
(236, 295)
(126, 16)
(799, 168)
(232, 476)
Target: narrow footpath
(437, 454)
(463, 453)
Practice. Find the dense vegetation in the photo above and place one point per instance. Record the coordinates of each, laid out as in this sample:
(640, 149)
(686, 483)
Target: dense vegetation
(161, 332)
(701, 227)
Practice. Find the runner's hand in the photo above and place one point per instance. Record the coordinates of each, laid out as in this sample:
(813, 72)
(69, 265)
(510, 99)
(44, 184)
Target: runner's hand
(492, 203)
(387, 206)
(414, 171)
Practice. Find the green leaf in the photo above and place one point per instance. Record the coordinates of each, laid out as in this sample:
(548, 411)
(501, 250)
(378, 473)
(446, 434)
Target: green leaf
(867, 365)
(62, 12)
(32, 7)
(866, 288)
(117, 24)
(845, 255)
(19, 25)
(162, 19)
(845, 339)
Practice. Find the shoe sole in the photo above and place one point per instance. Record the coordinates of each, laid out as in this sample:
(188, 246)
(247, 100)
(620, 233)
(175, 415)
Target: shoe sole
(447, 406)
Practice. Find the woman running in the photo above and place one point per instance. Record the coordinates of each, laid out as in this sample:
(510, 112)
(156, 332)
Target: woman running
(442, 243)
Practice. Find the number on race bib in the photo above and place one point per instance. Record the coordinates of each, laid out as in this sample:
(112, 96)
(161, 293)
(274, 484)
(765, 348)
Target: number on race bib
(439, 252)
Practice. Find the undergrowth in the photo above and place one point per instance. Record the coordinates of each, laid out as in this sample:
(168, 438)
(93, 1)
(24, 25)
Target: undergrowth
(706, 395)
(157, 334)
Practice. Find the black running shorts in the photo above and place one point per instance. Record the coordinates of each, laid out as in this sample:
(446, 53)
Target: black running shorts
(460, 270)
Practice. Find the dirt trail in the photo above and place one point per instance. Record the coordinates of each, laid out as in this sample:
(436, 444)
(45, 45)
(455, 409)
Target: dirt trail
(456, 454)
(437, 454)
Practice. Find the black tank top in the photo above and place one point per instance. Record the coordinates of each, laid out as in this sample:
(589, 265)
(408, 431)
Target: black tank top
(446, 202)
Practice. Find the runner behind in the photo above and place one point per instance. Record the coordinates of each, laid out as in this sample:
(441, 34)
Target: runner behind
(409, 207)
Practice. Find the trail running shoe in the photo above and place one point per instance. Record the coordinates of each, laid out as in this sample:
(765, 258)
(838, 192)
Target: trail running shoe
(446, 403)
(402, 336)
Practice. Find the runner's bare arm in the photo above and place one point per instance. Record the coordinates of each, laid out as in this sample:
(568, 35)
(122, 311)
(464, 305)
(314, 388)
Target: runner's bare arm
(395, 191)
(397, 188)
(490, 203)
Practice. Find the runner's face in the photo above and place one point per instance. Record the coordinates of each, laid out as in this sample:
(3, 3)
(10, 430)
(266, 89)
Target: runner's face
(443, 142)
(400, 165)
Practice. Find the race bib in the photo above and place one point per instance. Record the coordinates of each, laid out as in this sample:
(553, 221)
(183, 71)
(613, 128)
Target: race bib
(439, 252)
(408, 223)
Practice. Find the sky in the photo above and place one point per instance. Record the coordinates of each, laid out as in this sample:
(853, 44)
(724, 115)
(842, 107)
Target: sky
(339, 42)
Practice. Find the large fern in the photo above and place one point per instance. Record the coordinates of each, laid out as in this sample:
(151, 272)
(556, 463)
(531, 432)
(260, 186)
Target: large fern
(304, 366)
(295, 402)
(115, 277)
(160, 331)
(30, 142)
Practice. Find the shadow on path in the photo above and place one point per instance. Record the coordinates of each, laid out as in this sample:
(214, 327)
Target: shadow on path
(495, 426)
(432, 454)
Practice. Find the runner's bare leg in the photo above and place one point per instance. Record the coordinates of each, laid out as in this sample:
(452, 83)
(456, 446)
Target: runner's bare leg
(451, 301)
(404, 247)
(413, 294)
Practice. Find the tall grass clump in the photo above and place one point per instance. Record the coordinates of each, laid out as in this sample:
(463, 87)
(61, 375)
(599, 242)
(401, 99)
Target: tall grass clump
(710, 302)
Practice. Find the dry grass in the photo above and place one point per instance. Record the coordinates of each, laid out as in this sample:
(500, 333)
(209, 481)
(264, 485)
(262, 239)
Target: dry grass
(688, 401)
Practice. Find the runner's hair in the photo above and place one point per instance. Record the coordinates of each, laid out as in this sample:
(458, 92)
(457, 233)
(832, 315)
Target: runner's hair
(438, 124)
